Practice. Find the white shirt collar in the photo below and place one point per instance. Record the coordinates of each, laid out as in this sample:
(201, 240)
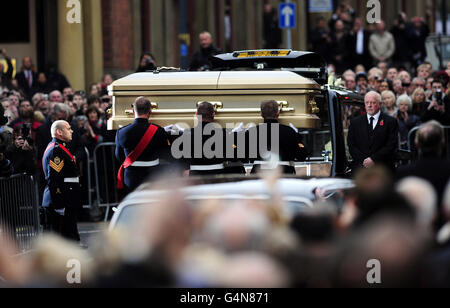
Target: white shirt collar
(376, 119)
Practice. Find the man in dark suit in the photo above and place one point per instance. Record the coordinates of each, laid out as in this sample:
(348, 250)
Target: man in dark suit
(358, 42)
(273, 138)
(431, 166)
(201, 59)
(208, 149)
(128, 140)
(373, 138)
(27, 78)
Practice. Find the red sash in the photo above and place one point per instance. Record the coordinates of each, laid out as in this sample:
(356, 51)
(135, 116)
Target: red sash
(51, 146)
(68, 153)
(145, 141)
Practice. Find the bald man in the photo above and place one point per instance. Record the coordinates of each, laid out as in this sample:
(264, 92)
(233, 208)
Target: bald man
(62, 194)
(373, 137)
(200, 60)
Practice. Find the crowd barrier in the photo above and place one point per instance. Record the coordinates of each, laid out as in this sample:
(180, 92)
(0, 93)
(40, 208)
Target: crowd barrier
(106, 169)
(19, 210)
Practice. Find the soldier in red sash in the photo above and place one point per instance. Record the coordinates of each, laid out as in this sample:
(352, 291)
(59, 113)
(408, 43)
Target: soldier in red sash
(140, 146)
(62, 194)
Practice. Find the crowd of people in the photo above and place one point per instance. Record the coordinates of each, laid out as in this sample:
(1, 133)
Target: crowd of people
(32, 101)
(254, 244)
(392, 63)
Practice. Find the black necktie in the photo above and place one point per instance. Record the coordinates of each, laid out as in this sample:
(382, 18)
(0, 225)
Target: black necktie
(371, 130)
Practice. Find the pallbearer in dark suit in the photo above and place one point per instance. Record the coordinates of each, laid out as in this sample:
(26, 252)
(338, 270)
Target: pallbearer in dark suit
(373, 138)
(271, 137)
(62, 194)
(140, 146)
(212, 148)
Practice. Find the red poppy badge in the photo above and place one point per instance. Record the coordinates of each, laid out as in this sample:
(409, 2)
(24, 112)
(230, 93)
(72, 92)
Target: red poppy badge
(382, 123)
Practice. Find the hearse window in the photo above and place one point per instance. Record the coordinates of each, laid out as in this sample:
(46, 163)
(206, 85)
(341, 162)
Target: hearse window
(349, 111)
(318, 141)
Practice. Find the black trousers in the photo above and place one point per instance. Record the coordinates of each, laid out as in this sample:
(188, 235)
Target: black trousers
(65, 226)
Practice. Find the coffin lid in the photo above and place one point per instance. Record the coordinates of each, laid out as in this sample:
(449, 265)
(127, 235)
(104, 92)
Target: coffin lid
(229, 80)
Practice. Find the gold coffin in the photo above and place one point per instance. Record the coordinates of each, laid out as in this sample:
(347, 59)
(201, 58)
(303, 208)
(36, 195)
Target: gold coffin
(236, 95)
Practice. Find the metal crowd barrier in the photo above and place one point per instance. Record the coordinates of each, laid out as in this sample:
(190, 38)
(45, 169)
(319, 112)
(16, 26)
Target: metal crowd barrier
(89, 179)
(19, 210)
(413, 132)
(106, 170)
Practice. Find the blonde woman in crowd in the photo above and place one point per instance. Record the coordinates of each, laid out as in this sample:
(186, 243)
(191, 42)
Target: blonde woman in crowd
(389, 105)
(418, 100)
(406, 120)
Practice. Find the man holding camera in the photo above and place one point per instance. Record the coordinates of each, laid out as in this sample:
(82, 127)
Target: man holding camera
(22, 153)
(6, 168)
(438, 108)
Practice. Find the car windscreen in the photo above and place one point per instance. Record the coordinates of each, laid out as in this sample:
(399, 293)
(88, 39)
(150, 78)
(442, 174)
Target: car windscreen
(292, 206)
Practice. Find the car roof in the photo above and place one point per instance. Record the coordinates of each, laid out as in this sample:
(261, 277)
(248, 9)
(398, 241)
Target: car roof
(304, 63)
(285, 187)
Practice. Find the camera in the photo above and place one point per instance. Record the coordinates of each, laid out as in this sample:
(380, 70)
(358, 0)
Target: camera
(3, 119)
(406, 85)
(106, 100)
(149, 65)
(26, 128)
(26, 131)
(70, 98)
(439, 97)
(4, 140)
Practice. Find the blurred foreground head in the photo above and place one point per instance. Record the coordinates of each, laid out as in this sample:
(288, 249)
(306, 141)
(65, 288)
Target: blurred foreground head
(391, 245)
(430, 139)
(375, 196)
(423, 197)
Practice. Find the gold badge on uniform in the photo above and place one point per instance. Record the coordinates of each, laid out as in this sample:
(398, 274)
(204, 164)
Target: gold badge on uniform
(57, 164)
(301, 146)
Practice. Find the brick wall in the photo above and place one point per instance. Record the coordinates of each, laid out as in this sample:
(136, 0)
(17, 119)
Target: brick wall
(117, 34)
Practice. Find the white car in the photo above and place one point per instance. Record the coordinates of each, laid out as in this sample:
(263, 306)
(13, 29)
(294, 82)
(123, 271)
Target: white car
(296, 195)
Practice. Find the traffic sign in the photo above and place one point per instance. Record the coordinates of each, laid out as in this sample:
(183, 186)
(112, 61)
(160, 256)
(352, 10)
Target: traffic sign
(288, 15)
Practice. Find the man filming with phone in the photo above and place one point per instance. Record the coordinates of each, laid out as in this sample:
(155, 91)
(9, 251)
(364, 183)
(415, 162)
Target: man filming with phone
(438, 108)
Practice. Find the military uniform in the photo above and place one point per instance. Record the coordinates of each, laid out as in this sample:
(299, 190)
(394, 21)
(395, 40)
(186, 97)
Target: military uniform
(290, 144)
(149, 162)
(62, 196)
(201, 165)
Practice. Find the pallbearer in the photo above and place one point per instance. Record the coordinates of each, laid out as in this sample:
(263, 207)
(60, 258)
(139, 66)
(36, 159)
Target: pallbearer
(140, 146)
